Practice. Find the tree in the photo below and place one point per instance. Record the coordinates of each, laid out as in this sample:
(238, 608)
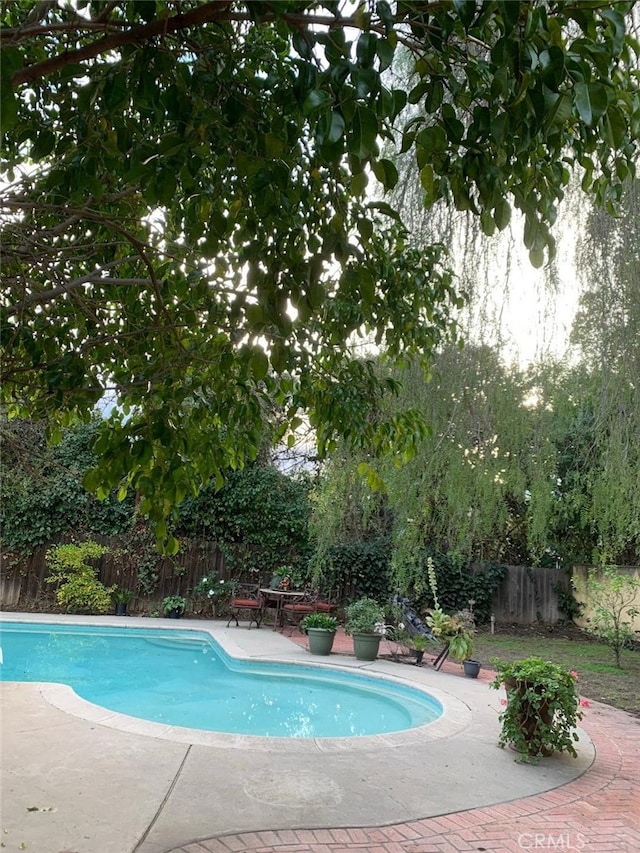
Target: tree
(606, 333)
(479, 485)
(614, 596)
(188, 224)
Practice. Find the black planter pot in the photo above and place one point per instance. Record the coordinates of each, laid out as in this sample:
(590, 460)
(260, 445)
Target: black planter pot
(471, 668)
(121, 608)
(176, 613)
(419, 656)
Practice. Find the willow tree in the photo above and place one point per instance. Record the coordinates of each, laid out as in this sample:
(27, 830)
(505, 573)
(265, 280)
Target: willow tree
(479, 486)
(606, 334)
(187, 224)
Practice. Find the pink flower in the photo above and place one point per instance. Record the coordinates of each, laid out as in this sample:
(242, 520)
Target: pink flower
(584, 703)
(573, 673)
(503, 701)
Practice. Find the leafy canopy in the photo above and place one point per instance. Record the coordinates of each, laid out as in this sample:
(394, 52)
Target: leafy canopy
(192, 222)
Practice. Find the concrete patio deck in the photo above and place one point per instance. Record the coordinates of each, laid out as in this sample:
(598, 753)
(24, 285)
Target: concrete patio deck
(77, 778)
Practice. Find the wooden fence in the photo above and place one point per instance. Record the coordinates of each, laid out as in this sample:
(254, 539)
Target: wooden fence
(23, 583)
(527, 595)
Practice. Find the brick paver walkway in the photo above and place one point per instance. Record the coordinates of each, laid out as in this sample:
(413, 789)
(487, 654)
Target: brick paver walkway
(596, 813)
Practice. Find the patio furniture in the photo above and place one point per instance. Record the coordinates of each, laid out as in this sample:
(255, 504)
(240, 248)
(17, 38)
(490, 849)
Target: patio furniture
(293, 611)
(246, 599)
(277, 599)
(325, 604)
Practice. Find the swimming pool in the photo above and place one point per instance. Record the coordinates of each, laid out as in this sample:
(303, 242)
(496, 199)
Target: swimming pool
(184, 678)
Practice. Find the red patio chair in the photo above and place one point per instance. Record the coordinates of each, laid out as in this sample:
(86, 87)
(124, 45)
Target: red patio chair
(246, 599)
(324, 604)
(293, 612)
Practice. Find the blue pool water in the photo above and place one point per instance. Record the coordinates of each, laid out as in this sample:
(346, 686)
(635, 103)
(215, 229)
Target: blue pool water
(184, 678)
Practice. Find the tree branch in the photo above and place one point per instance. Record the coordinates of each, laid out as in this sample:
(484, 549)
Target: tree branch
(94, 277)
(217, 10)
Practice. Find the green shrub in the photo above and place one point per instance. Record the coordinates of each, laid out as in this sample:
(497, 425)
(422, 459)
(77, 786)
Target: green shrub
(174, 602)
(79, 589)
(364, 616)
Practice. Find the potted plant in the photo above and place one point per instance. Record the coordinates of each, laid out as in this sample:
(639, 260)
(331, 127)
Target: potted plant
(456, 633)
(471, 667)
(174, 606)
(460, 643)
(122, 597)
(321, 630)
(419, 644)
(287, 577)
(365, 623)
(542, 710)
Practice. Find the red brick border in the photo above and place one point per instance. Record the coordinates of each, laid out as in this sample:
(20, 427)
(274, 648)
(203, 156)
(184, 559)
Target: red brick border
(597, 813)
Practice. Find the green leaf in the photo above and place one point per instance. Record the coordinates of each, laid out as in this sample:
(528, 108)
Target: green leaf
(427, 179)
(433, 140)
(385, 52)
(259, 364)
(466, 9)
(452, 124)
(616, 20)
(366, 286)
(435, 96)
(44, 144)
(487, 223)
(591, 101)
(172, 546)
(336, 127)
(366, 49)
(365, 228)
(502, 214)
(362, 140)
(359, 183)
(92, 480)
(536, 256)
(552, 67)
(315, 100)
(10, 62)
(273, 145)
(615, 127)
(399, 102)
(386, 173)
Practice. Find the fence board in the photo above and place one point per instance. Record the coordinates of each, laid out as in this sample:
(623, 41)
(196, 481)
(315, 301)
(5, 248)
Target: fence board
(528, 594)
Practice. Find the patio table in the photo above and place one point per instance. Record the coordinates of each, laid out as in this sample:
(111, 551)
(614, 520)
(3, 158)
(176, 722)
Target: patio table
(278, 598)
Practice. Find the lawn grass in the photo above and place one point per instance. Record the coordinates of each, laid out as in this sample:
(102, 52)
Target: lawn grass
(599, 678)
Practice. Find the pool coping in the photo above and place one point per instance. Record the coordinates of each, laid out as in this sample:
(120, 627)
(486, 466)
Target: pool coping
(105, 790)
(455, 717)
